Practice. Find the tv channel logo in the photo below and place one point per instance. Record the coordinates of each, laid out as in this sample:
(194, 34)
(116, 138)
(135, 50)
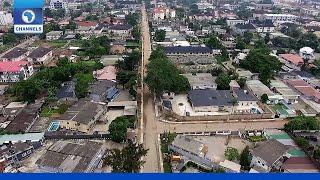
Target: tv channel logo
(28, 16)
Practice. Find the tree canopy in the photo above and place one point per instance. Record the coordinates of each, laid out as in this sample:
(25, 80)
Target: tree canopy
(259, 61)
(245, 159)
(118, 128)
(160, 35)
(213, 42)
(164, 76)
(232, 154)
(223, 81)
(302, 123)
(127, 160)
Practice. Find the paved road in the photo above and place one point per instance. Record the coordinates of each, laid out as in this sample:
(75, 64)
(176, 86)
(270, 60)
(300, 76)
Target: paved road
(149, 123)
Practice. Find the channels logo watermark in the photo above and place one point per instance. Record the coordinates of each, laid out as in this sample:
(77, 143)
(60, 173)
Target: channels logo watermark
(28, 16)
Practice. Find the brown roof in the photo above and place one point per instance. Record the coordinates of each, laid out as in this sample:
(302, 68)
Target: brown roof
(86, 23)
(270, 151)
(299, 164)
(293, 58)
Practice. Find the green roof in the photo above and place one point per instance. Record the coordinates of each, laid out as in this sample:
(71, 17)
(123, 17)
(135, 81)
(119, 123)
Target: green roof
(297, 153)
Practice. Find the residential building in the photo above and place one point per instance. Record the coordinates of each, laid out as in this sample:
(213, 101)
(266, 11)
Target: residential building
(291, 62)
(242, 28)
(41, 56)
(14, 71)
(228, 41)
(13, 109)
(305, 89)
(117, 47)
(280, 17)
(23, 121)
(67, 93)
(258, 89)
(192, 150)
(53, 35)
(36, 139)
(121, 30)
(232, 22)
(181, 55)
(161, 13)
(265, 28)
(269, 155)
(201, 81)
(16, 54)
(103, 91)
(299, 165)
(86, 27)
(58, 4)
(107, 73)
(72, 157)
(289, 95)
(129, 107)
(81, 116)
(210, 100)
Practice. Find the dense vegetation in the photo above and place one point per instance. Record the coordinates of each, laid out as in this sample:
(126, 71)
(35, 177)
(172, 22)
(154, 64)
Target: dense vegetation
(259, 61)
(127, 160)
(52, 78)
(302, 123)
(164, 76)
(118, 128)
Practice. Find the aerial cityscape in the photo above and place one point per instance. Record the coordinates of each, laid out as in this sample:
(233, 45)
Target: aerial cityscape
(161, 86)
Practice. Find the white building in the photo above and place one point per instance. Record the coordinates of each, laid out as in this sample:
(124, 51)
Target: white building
(233, 22)
(14, 71)
(161, 13)
(307, 53)
(58, 4)
(280, 17)
(259, 89)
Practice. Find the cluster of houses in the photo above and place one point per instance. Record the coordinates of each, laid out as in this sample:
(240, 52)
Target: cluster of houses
(277, 153)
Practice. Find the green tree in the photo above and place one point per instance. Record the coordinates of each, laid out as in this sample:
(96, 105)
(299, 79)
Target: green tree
(302, 123)
(242, 82)
(164, 76)
(240, 44)
(223, 82)
(259, 61)
(9, 39)
(118, 129)
(302, 142)
(245, 159)
(213, 42)
(232, 154)
(127, 160)
(132, 19)
(264, 98)
(82, 85)
(160, 35)
(247, 36)
(123, 77)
